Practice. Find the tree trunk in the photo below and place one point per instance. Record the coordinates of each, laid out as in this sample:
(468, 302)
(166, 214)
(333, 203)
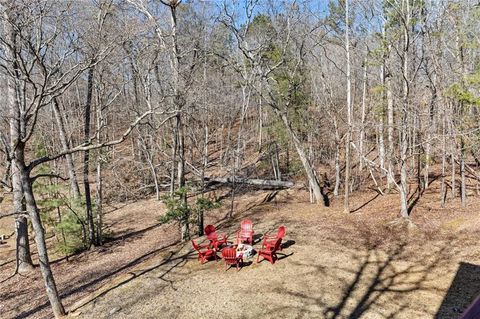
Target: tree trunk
(237, 155)
(381, 127)
(310, 159)
(444, 158)
(390, 117)
(99, 181)
(260, 120)
(404, 122)
(181, 177)
(363, 115)
(346, 204)
(461, 60)
(99, 203)
(34, 213)
(154, 176)
(403, 170)
(24, 262)
(5, 182)
(174, 158)
(276, 161)
(452, 181)
(179, 138)
(86, 159)
(24, 183)
(337, 158)
(23, 256)
(312, 179)
(430, 130)
(200, 220)
(181, 153)
(463, 190)
(66, 145)
(453, 149)
(200, 217)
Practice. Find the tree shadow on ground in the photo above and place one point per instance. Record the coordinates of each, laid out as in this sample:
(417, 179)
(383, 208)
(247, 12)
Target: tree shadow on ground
(175, 260)
(413, 200)
(419, 192)
(464, 288)
(127, 234)
(366, 203)
(99, 277)
(91, 279)
(130, 233)
(110, 208)
(380, 277)
(247, 212)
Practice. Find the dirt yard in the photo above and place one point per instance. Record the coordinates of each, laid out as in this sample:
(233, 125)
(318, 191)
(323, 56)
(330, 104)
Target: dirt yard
(334, 265)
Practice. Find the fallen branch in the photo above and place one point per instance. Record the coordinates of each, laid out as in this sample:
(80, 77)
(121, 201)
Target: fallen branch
(470, 170)
(250, 181)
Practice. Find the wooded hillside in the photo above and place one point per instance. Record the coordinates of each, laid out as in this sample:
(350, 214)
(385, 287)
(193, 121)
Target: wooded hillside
(108, 101)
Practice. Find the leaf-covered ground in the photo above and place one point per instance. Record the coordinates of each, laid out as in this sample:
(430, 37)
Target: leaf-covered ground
(334, 265)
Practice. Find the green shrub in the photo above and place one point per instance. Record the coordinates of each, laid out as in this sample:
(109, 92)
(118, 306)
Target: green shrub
(202, 205)
(177, 207)
(63, 217)
(71, 229)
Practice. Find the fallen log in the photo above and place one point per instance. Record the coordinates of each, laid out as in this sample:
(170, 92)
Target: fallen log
(265, 183)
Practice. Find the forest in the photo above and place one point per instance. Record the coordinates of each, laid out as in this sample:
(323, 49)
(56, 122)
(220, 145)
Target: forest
(129, 126)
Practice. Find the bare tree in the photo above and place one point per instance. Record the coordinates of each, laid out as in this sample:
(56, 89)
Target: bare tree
(346, 203)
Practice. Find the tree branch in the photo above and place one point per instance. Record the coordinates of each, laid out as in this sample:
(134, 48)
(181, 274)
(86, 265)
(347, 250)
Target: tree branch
(86, 147)
(34, 178)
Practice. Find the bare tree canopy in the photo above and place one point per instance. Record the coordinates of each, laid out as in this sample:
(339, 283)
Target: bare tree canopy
(114, 100)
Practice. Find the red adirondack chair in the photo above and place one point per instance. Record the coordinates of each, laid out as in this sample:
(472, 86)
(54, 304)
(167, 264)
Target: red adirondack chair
(229, 254)
(269, 252)
(204, 252)
(245, 234)
(270, 240)
(216, 240)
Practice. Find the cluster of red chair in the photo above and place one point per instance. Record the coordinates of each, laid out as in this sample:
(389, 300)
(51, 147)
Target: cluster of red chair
(271, 243)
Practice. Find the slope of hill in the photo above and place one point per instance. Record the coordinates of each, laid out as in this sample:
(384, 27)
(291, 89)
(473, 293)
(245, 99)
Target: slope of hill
(334, 265)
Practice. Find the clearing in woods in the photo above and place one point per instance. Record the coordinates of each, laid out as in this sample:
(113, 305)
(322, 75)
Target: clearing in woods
(335, 265)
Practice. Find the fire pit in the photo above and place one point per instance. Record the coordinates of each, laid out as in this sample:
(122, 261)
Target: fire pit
(246, 251)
